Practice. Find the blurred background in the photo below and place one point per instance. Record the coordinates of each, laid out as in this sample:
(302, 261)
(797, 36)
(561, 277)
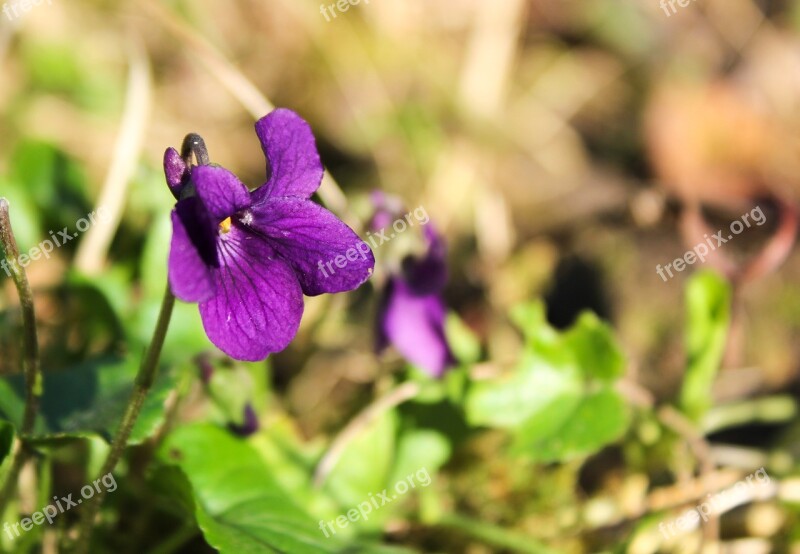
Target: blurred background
(562, 148)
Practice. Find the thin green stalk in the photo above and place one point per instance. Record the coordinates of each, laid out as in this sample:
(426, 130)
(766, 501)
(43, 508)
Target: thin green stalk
(494, 535)
(144, 380)
(30, 342)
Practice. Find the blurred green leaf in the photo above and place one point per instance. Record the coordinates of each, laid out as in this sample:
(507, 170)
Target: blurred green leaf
(58, 68)
(431, 389)
(533, 387)
(25, 218)
(531, 319)
(87, 399)
(462, 341)
(708, 315)
(53, 182)
(231, 389)
(176, 494)
(364, 466)
(578, 427)
(559, 401)
(94, 314)
(113, 285)
(595, 349)
(420, 450)
(239, 506)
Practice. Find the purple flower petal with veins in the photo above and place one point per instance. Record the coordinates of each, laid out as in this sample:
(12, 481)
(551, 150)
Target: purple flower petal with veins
(248, 257)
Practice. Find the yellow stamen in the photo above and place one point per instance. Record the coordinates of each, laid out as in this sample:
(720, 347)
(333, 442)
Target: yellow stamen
(225, 226)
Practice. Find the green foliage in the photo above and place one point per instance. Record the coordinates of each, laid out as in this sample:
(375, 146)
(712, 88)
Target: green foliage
(708, 315)
(87, 399)
(58, 68)
(463, 342)
(25, 218)
(560, 401)
(366, 463)
(239, 506)
(52, 182)
(420, 449)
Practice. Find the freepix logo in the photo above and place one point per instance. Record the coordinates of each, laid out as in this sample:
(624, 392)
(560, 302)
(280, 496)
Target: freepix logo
(340, 6)
(61, 505)
(717, 240)
(715, 504)
(668, 5)
(15, 10)
(361, 248)
(56, 240)
(376, 502)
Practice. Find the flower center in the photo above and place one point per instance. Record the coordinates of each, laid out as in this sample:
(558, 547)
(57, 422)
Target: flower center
(225, 226)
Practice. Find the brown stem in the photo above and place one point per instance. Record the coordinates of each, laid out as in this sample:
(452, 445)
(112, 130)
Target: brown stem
(30, 342)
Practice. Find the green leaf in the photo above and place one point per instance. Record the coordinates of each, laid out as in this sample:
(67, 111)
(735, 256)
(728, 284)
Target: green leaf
(231, 390)
(239, 506)
(595, 349)
(560, 401)
(465, 345)
(420, 450)
(58, 67)
(25, 218)
(87, 399)
(113, 285)
(53, 182)
(530, 389)
(574, 429)
(365, 464)
(532, 321)
(708, 311)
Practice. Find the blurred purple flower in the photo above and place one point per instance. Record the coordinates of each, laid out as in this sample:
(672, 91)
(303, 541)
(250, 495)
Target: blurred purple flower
(206, 368)
(247, 257)
(249, 424)
(387, 209)
(412, 312)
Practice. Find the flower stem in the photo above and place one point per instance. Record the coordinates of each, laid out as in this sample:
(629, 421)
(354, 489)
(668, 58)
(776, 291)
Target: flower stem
(144, 380)
(30, 341)
(495, 535)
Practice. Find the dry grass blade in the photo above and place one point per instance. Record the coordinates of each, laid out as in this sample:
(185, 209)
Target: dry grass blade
(94, 247)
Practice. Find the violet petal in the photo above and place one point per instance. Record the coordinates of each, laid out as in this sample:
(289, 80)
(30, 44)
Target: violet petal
(258, 302)
(312, 240)
(221, 192)
(192, 252)
(291, 150)
(414, 324)
(176, 171)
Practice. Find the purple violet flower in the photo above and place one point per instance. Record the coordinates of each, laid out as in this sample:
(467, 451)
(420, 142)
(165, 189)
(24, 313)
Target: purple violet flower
(247, 257)
(412, 312)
